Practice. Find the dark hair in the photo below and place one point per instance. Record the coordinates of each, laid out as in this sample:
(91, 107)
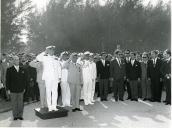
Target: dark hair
(168, 52)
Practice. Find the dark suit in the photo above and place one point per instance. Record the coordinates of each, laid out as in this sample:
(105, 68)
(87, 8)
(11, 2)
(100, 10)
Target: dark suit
(133, 72)
(32, 86)
(154, 74)
(16, 83)
(126, 83)
(103, 72)
(117, 72)
(166, 69)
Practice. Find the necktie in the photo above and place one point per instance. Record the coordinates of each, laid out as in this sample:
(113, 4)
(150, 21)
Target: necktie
(119, 62)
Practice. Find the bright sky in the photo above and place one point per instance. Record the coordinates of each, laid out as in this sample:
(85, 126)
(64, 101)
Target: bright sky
(40, 4)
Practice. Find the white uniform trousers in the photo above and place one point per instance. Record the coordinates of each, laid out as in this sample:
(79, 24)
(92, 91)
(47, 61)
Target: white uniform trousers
(65, 90)
(87, 90)
(51, 93)
(93, 89)
(42, 91)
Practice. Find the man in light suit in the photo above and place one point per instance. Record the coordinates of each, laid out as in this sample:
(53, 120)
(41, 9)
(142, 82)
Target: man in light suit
(118, 75)
(75, 80)
(41, 83)
(87, 79)
(64, 83)
(145, 83)
(51, 75)
(93, 74)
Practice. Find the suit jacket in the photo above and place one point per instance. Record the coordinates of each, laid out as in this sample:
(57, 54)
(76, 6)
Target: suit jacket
(166, 68)
(16, 81)
(74, 73)
(144, 70)
(103, 71)
(31, 76)
(133, 72)
(154, 70)
(117, 71)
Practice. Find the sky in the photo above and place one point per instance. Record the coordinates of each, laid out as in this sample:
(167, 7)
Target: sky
(40, 4)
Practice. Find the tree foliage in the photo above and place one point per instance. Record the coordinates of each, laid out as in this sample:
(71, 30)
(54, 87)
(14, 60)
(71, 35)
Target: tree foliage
(77, 26)
(12, 23)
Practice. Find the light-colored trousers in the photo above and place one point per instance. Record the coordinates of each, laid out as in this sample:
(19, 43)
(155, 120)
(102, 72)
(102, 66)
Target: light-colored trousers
(146, 88)
(51, 93)
(87, 90)
(42, 91)
(65, 90)
(17, 104)
(75, 91)
(93, 89)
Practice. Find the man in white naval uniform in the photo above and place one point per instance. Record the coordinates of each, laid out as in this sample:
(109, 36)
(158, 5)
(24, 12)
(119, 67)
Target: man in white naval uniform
(51, 75)
(87, 81)
(64, 83)
(93, 74)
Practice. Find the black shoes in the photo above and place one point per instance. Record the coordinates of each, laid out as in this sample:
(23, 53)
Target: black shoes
(134, 99)
(20, 118)
(76, 109)
(167, 103)
(73, 110)
(105, 99)
(15, 118)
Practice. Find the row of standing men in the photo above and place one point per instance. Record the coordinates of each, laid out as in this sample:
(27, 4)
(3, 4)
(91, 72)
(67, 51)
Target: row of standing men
(78, 75)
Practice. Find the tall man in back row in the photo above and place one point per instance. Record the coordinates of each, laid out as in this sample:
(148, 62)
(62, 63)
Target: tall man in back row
(51, 75)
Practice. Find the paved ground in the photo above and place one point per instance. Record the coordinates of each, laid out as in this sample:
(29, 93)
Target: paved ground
(127, 114)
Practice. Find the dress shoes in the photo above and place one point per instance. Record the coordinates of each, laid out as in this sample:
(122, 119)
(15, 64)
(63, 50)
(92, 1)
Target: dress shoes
(74, 110)
(15, 118)
(78, 109)
(20, 118)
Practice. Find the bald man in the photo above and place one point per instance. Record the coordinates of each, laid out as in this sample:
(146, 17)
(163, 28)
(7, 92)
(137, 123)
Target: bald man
(16, 80)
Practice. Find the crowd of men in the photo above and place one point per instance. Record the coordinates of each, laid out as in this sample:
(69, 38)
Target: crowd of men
(84, 76)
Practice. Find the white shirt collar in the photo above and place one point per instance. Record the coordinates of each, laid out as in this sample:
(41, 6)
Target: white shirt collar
(16, 67)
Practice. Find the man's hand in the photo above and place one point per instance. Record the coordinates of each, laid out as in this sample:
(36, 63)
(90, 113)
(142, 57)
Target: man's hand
(149, 79)
(139, 79)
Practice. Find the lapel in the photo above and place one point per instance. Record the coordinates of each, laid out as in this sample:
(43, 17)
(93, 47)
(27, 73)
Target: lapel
(117, 61)
(102, 63)
(14, 69)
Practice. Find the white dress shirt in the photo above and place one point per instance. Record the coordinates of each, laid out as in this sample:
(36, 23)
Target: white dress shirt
(16, 67)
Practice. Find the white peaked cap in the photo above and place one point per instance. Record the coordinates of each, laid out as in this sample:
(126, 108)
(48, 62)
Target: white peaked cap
(50, 47)
(91, 54)
(87, 53)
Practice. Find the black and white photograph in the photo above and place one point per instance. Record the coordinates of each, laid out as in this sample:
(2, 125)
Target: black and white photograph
(85, 63)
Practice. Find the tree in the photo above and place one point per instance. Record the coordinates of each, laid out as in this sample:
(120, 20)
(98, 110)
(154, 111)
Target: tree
(77, 26)
(13, 17)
